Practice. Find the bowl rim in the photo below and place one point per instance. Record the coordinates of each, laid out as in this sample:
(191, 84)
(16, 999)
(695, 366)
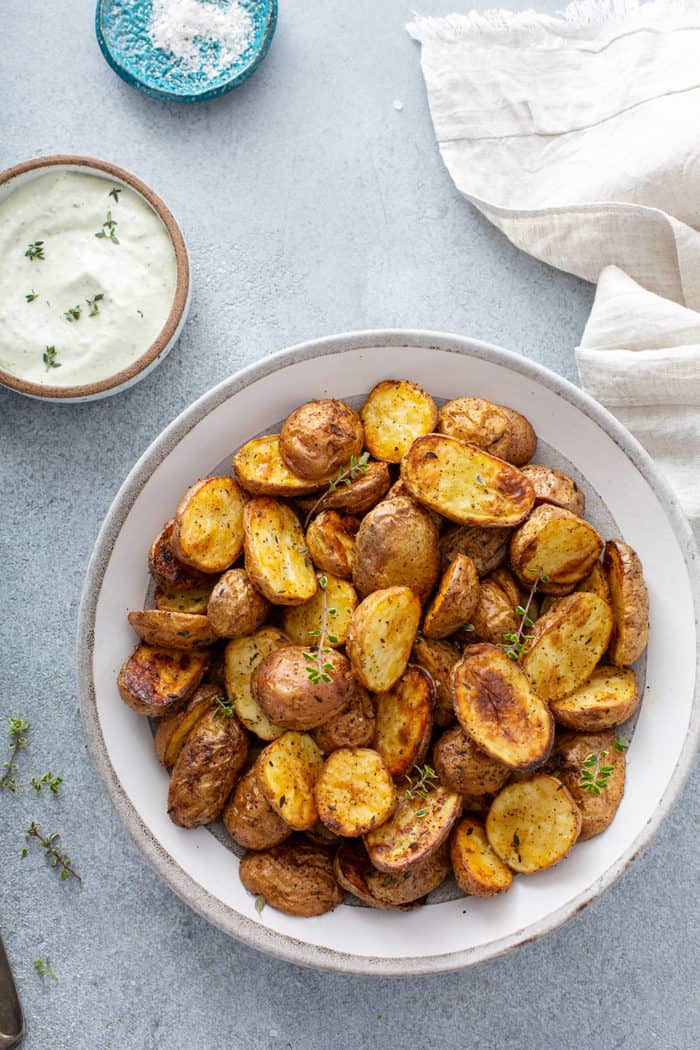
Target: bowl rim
(240, 927)
(182, 281)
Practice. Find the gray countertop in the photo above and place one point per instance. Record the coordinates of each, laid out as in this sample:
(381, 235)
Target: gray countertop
(311, 205)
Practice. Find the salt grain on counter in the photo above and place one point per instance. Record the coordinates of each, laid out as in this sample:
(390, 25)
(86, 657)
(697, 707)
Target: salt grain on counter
(181, 27)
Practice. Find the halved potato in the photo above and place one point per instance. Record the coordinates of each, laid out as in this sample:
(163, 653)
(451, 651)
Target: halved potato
(172, 630)
(629, 600)
(303, 623)
(241, 657)
(155, 681)
(554, 486)
(287, 770)
(206, 769)
(511, 587)
(596, 582)
(380, 637)
(465, 768)
(533, 824)
(319, 439)
(478, 870)
(604, 764)
(295, 877)
(494, 615)
(402, 890)
(261, 471)
(417, 829)
(208, 530)
(276, 556)
(172, 731)
(568, 643)
(366, 489)
(488, 548)
(394, 415)
(477, 422)
(522, 439)
(396, 546)
(354, 726)
(331, 541)
(188, 600)
(235, 607)
(354, 792)
(556, 545)
(405, 720)
(607, 699)
(249, 818)
(456, 598)
(465, 484)
(299, 689)
(496, 705)
(438, 658)
(166, 569)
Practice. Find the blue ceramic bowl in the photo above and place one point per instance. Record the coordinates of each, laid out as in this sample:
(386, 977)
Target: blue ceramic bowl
(122, 33)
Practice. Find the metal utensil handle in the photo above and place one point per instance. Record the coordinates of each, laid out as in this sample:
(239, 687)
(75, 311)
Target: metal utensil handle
(11, 1019)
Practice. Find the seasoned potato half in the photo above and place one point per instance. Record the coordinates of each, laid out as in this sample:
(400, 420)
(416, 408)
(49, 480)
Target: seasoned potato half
(320, 438)
(532, 824)
(512, 588)
(249, 818)
(172, 731)
(438, 658)
(295, 878)
(354, 792)
(402, 890)
(172, 630)
(366, 489)
(456, 598)
(494, 614)
(629, 600)
(354, 726)
(465, 768)
(522, 439)
(417, 829)
(166, 569)
(394, 415)
(235, 607)
(260, 470)
(353, 870)
(276, 555)
(405, 720)
(555, 544)
(208, 530)
(241, 657)
(568, 643)
(331, 541)
(607, 699)
(496, 705)
(206, 769)
(487, 548)
(189, 600)
(287, 770)
(477, 422)
(596, 582)
(554, 486)
(298, 688)
(156, 681)
(464, 483)
(396, 546)
(380, 637)
(478, 870)
(335, 602)
(592, 766)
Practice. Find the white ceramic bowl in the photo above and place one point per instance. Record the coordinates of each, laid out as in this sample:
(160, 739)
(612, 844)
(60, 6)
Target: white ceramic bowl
(626, 497)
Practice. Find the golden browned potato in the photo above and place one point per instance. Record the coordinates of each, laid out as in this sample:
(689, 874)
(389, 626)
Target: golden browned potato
(487, 548)
(629, 600)
(367, 487)
(465, 768)
(607, 699)
(592, 766)
(335, 601)
(522, 440)
(496, 705)
(188, 600)
(494, 615)
(298, 688)
(556, 545)
(394, 415)
(380, 637)
(276, 556)
(477, 422)
(464, 483)
(511, 588)
(401, 891)
(208, 530)
(456, 598)
(596, 582)
(354, 726)
(249, 819)
(478, 870)
(241, 657)
(156, 681)
(206, 769)
(172, 630)
(172, 731)
(287, 771)
(354, 792)
(320, 438)
(554, 486)
(165, 568)
(405, 720)
(331, 541)
(438, 659)
(419, 826)
(532, 824)
(261, 471)
(235, 607)
(295, 878)
(396, 546)
(568, 643)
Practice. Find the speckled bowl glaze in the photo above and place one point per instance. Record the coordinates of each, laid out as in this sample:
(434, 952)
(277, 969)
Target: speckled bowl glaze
(627, 492)
(120, 35)
(15, 177)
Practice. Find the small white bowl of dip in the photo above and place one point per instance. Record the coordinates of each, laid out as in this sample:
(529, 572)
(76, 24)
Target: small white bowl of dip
(94, 279)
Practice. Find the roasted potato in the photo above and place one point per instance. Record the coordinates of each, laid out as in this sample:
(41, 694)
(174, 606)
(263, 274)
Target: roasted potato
(287, 771)
(354, 792)
(354, 726)
(522, 440)
(494, 615)
(331, 541)
(172, 630)
(235, 607)
(320, 438)
(368, 486)
(463, 767)
(276, 555)
(532, 824)
(172, 731)
(455, 600)
(553, 486)
(335, 601)
(206, 769)
(596, 582)
(396, 546)
(477, 422)
(438, 658)
(241, 657)
(567, 644)
(249, 818)
(188, 600)
(487, 548)
(208, 529)
(496, 705)
(394, 415)
(465, 484)
(607, 699)
(478, 870)
(630, 603)
(380, 637)
(155, 681)
(295, 878)
(380, 889)
(405, 720)
(556, 546)
(283, 686)
(419, 826)
(166, 569)
(513, 590)
(261, 471)
(592, 766)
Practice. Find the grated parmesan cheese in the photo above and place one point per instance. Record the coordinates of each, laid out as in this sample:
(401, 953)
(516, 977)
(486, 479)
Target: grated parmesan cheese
(201, 35)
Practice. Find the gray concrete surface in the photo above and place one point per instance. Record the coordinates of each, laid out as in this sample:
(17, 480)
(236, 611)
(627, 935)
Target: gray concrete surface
(310, 206)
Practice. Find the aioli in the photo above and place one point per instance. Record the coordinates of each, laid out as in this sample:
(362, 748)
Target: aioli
(136, 279)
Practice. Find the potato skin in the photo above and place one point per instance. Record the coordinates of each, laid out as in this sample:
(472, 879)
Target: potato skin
(394, 414)
(208, 529)
(400, 891)
(477, 869)
(235, 607)
(455, 601)
(330, 538)
(319, 438)
(557, 543)
(381, 634)
(566, 762)
(156, 681)
(407, 838)
(281, 686)
(554, 486)
(206, 770)
(172, 630)
(295, 877)
(465, 768)
(354, 726)
(629, 600)
(494, 615)
(438, 658)
(477, 422)
(166, 569)
(366, 490)
(522, 440)
(249, 819)
(396, 546)
(488, 548)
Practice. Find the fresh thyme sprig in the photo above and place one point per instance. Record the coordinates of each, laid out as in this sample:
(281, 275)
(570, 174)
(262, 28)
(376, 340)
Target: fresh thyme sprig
(423, 781)
(621, 746)
(57, 858)
(114, 192)
(92, 303)
(594, 775)
(35, 251)
(318, 667)
(43, 968)
(515, 644)
(108, 228)
(18, 727)
(48, 780)
(346, 476)
(73, 314)
(31, 296)
(49, 358)
(224, 707)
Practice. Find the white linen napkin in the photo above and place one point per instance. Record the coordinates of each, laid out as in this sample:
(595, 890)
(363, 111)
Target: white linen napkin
(579, 137)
